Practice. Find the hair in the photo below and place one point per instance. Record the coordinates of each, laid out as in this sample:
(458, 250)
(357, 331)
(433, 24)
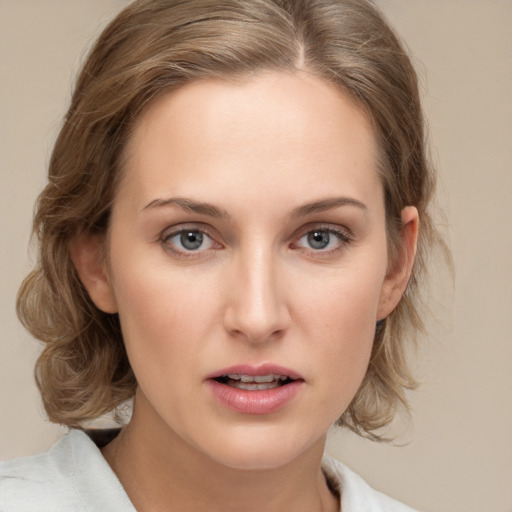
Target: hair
(153, 47)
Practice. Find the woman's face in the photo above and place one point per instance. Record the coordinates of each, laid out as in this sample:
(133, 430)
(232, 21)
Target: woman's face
(247, 261)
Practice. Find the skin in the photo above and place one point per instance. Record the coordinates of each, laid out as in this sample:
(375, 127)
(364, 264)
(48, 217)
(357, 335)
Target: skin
(255, 292)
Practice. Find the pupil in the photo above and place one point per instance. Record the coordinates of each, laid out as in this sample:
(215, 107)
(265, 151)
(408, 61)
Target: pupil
(318, 239)
(191, 240)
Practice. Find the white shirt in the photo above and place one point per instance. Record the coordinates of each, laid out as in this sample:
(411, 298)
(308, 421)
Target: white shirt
(73, 476)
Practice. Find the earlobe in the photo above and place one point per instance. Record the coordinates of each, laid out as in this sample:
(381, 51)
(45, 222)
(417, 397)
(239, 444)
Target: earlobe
(87, 255)
(398, 275)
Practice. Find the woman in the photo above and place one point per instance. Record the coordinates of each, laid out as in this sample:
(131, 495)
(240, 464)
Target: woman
(230, 236)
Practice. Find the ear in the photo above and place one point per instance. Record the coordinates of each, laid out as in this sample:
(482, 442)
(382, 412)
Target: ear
(398, 274)
(88, 256)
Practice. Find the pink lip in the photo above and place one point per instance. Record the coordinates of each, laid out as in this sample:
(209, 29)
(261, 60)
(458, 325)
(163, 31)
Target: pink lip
(263, 401)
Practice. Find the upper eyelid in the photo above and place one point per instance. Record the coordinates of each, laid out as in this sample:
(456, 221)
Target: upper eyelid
(172, 234)
(336, 232)
(190, 226)
(326, 226)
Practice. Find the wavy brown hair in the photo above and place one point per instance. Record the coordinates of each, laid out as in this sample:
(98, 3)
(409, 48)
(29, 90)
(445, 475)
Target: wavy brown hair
(152, 47)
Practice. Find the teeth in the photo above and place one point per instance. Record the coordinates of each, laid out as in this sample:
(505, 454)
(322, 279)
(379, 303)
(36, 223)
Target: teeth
(256, 378)
(255, 382)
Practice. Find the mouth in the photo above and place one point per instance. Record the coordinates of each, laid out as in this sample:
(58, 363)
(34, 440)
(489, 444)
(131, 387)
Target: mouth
(254, 382)
(261, 389)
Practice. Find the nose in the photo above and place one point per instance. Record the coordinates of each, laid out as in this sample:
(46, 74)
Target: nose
(256, 309)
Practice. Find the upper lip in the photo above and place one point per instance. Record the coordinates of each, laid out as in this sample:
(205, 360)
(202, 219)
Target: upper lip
(256, 370)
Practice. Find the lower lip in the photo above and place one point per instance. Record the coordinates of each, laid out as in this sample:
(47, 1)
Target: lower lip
(262, 401)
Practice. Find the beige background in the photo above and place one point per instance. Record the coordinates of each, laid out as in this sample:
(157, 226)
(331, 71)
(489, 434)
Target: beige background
(460, 453)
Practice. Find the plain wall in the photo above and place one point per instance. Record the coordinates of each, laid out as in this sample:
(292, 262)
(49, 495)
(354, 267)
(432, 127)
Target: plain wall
(459, 456)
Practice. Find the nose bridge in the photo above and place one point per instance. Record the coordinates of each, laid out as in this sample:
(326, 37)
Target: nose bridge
(257, 309)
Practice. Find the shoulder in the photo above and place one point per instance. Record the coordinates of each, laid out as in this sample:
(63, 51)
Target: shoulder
(356, 494)
(67, 478)
(30, 482)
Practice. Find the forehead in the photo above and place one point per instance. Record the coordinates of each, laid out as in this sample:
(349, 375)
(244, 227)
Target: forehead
(293, 131)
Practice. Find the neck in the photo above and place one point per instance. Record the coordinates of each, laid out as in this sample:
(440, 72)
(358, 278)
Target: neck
(159, 471)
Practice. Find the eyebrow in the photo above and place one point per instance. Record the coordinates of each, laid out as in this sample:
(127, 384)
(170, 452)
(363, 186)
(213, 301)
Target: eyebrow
(189, 204)
(213, 211)
(327, 204)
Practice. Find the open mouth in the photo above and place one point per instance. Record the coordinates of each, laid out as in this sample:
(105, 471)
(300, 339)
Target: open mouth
(254, 382)
(255, 389)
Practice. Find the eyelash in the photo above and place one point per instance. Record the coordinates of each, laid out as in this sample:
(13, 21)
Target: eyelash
(168, 235)
(342, 236)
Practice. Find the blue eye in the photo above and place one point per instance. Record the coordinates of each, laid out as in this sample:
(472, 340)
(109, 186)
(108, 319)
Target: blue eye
(323, 239)
(318, 239)
(189, 240)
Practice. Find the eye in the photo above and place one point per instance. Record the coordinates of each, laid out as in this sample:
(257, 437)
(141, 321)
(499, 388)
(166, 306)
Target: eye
(188, 241)
(323, 240)
(318, 239)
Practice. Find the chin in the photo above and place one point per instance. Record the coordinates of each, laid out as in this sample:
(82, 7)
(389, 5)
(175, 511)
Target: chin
(261, 449)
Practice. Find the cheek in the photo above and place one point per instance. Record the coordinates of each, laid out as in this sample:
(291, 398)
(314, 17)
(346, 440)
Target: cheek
(163, 315)
(347, 336)
(345, 301)
(341, 320)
